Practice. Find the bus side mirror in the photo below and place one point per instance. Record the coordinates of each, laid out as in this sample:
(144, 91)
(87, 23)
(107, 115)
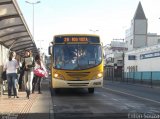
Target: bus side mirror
(50, 50)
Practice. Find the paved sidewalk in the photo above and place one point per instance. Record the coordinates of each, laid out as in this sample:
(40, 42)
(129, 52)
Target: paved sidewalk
(36, 107)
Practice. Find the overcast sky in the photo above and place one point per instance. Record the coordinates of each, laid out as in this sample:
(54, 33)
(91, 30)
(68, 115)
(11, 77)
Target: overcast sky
(110, 17)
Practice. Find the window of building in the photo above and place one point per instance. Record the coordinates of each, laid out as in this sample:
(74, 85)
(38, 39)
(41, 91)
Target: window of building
(129, 69)
(131, 57)
(133, 69)
(119, 62)
(136, 68)
(158, 40)
(112, 59)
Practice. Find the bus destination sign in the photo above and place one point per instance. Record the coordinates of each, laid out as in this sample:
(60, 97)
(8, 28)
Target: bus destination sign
(69, 39)
(75, 39)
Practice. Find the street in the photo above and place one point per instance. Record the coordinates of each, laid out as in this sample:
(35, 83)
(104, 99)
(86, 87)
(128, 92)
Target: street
(115, 100)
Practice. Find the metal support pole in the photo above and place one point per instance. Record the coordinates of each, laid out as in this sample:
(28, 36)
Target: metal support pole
(141, 77)
(127, 76)
(112, 74)
(33, 3)
(151, 80)
(33, 22)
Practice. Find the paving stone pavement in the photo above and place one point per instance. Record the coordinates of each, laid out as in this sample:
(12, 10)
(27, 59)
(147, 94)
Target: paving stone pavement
(23, 108)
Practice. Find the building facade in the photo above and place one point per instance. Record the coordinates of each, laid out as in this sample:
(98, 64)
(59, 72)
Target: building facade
(142, 59)
(139, 56)
(143, 63)
(114, 57)
(136, 35)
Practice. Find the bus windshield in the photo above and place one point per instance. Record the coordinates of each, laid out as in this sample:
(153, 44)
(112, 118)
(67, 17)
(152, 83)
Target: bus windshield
(77, 56)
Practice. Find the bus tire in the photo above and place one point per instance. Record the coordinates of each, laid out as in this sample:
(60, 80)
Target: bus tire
(56, 90)
(91, 90)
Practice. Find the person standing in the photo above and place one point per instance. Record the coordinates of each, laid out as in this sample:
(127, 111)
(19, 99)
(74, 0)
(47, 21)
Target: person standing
(21, 74)
(28, 65)
(37, 79)
(11, 71)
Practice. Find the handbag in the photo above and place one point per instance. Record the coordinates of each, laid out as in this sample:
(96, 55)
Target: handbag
(4, 77)
(40, 72)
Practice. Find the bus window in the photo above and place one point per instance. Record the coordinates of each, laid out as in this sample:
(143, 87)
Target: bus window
(77, 57)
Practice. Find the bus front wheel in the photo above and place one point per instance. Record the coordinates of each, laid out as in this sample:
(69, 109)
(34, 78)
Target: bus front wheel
(91, 90)
(57, 90)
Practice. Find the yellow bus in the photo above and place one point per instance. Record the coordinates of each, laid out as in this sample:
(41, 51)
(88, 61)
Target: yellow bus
(76, 62)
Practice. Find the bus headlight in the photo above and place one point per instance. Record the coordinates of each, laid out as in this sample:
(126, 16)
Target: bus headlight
(58, 76)
(55, 75)
(98, 75)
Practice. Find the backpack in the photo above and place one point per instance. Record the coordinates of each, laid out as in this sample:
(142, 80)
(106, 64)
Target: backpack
(4, 77)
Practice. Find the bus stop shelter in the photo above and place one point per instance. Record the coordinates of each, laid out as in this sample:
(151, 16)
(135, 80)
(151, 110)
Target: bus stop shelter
(14, 32)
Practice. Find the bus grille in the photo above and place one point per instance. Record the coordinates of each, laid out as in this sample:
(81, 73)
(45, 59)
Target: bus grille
(78, 74)
(78, 84)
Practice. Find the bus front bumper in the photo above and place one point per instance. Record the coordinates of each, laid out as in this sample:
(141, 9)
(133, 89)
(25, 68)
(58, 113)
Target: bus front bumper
(57, 83)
